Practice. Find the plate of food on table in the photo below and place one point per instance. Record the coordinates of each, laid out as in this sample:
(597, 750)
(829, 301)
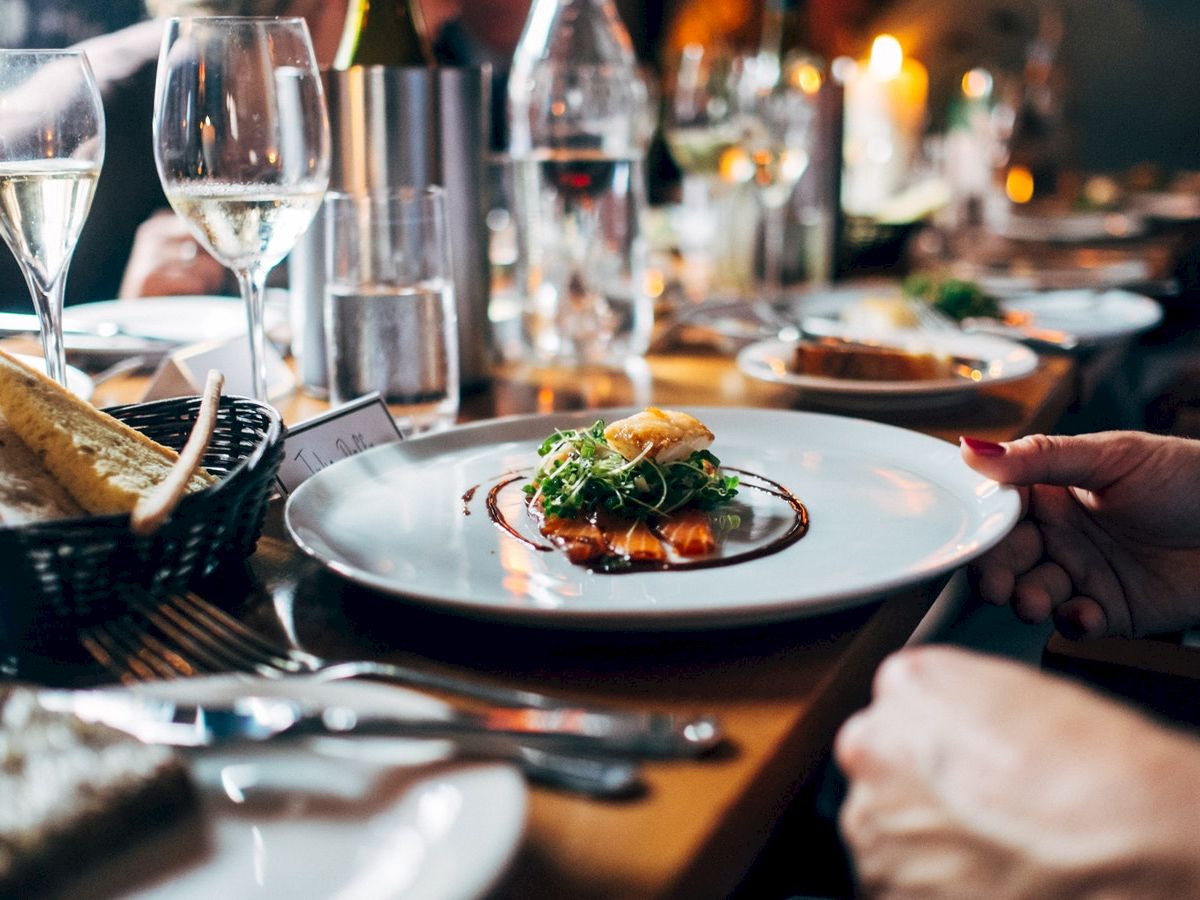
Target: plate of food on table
(649, 519)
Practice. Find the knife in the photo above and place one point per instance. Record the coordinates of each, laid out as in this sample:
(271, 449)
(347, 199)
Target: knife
(256, 719)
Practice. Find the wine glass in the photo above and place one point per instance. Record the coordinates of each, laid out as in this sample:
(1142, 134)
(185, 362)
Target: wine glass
(701, 124)
(51, 150)
(778, 106)
(241, 139)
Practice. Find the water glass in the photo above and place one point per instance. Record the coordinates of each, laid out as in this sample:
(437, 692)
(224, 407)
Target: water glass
(390, 318)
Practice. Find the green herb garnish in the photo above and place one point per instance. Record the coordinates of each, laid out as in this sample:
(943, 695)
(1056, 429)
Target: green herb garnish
(581, 475)
(953, 297)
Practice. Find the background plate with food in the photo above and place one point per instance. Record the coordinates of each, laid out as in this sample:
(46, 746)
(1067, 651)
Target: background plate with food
(921, 370)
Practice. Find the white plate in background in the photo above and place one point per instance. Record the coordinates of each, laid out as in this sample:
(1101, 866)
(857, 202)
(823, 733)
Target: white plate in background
(1002, 359)
(182, 319)
(888, 508)
(1092, 317)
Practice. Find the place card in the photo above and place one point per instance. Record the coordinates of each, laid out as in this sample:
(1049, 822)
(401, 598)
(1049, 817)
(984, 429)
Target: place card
(323, 440)
(182, 373)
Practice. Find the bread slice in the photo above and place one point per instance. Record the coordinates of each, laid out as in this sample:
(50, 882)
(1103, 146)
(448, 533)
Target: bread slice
(105, 465)
(28, 493)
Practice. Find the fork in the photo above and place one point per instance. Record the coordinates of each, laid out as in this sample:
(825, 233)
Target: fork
(135, 656)
(195, 636)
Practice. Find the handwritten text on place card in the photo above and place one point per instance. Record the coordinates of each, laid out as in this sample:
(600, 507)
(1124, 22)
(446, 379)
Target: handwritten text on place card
(335, 435)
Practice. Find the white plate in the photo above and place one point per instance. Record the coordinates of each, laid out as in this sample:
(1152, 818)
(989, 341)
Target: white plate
(77, 382)
(1093, 317)
(1072, 227)
(1003, 360)
(327, 817)
(888, 508)
(182, 319)
(185, 320)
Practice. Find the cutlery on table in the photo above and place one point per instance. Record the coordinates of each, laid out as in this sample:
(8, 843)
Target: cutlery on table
(185, 635)
(259, 719)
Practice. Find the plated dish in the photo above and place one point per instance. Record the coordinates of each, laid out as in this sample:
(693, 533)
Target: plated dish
(887, 508)
(1086, 316)
(992, 361)
(328, 817)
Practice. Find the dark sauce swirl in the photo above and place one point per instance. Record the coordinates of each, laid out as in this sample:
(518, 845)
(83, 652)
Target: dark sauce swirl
(617, 565)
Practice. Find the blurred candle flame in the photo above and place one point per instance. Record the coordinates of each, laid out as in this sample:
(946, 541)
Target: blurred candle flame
(977, 84)
(887, 58)
(1018, 185)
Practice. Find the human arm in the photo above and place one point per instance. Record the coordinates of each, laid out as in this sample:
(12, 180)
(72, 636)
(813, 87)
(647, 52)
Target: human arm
(1110, 539)
(166, 260)
(976, 777)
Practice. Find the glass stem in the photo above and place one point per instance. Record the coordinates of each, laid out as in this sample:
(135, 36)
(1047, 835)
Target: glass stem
(49, 304)
(774, 222)
(253, 283)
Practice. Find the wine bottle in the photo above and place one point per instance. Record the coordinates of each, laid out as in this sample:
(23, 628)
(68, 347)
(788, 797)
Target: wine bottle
(785, 37)
(383, 33)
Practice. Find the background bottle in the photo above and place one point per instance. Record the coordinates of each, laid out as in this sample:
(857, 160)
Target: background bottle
(576, 106)
(383, 33)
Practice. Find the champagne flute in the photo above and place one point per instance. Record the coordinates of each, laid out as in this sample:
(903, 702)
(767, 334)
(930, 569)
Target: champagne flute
(779, 107)
(51, 150)
(241, 139)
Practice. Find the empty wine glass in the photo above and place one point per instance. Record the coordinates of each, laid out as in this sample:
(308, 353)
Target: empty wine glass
(778, 106)
(51, 150)
(241, 139)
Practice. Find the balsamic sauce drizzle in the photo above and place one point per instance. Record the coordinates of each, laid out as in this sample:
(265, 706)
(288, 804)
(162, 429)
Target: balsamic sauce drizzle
(608, 565)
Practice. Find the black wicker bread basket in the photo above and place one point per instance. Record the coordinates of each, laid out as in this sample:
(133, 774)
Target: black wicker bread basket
(61, 575)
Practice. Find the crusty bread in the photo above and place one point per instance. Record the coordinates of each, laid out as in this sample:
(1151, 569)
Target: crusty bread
(105, 465)
(28, 493)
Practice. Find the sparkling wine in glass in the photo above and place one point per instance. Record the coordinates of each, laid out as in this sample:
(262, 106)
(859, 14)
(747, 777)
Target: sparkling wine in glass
(51, 150)
(241, 139)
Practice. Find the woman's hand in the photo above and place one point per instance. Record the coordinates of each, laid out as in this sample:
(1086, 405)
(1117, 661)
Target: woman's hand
(973, 777)
(166, 260)
(1110, 540)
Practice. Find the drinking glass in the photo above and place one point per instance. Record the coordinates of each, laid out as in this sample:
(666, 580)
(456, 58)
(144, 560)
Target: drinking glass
(778, 106)
(241, 139)
(51, 150)
(391, 323)
(701, 124)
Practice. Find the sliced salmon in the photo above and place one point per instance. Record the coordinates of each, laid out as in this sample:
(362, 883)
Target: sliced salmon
(578, 538)
(689, 532)
(632, 539)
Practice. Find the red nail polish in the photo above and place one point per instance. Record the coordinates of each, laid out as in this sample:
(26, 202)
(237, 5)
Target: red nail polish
(983, 448)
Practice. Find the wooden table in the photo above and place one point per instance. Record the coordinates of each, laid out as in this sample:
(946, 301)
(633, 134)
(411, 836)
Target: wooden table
(781, 690)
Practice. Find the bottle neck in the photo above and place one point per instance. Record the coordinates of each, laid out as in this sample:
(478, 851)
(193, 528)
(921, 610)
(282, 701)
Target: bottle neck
(384, 33)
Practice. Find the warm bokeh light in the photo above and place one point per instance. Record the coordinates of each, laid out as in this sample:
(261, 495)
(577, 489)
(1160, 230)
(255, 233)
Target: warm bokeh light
(887, 58)
(807, 77)
(977, 84)
(1018, 185)
(654, 283)
(736, 167)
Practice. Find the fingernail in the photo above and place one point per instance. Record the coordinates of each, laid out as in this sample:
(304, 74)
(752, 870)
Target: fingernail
(983, 448)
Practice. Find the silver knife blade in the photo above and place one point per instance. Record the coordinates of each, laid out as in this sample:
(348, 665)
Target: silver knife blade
(256, 719)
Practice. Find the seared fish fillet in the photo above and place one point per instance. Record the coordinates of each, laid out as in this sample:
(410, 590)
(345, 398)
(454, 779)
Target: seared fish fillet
(668, 434)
